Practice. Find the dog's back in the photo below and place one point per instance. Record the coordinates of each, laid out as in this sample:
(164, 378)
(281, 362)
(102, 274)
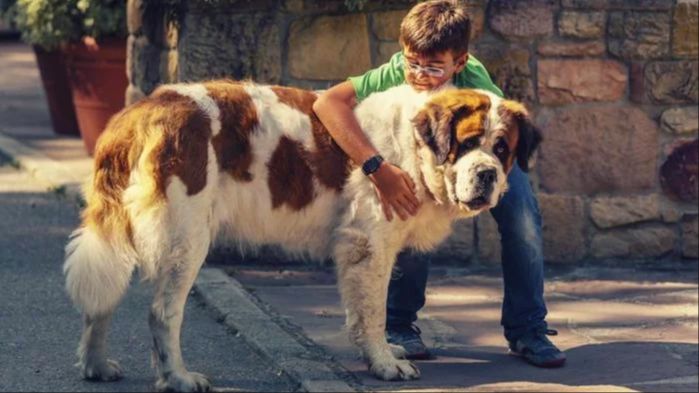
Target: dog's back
(189, 160)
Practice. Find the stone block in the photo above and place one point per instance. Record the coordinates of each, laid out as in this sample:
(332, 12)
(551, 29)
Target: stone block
(236, 46)
(680, 121)
(510, 70)
(267, 61)
(577, 24)
(563, 219)
(568, 81)
(157, 24)
(232, 6)
(594, 149)
(144, 70)
(524, 19)
(685, 34)
(652, 241)
(618, 4)
(315, 7)
(665, 82)
(680, 171)
(690, 237)
(168, 66)
(133, 94)
(572, 49)
(670, 211)
(329, 47)
(171, 35)
(638, 35)
(489, 246)
(476, 14)
(386, 25)
(134, 16)
(607, 212)
(384, 51)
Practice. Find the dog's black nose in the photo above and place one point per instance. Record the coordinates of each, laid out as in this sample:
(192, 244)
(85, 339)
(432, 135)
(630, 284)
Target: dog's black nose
(487, 176)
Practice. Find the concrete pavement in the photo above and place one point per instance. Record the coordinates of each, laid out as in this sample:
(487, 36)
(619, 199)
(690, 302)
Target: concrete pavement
(40, 329)
(623, 330)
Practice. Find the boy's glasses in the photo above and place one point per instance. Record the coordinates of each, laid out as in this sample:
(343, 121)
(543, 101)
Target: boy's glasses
(429, 71)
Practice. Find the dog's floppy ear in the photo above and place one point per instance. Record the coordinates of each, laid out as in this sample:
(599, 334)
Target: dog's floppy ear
(433, 124)
(529, 139)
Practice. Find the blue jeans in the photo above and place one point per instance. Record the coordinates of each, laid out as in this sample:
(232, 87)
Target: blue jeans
(519, 222)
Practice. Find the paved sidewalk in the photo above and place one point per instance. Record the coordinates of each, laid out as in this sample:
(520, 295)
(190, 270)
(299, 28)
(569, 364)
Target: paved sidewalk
(622, 330)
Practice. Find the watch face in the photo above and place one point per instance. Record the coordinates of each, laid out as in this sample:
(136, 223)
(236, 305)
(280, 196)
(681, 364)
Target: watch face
(372, 165)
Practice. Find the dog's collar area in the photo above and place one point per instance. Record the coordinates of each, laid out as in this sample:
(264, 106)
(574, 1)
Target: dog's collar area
(427, 189)
(422, 175)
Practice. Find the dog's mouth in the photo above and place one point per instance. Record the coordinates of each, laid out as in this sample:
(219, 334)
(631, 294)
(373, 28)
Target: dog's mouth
(477, 203)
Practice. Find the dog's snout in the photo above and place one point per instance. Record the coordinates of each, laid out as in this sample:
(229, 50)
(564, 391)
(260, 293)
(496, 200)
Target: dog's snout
(487, 176)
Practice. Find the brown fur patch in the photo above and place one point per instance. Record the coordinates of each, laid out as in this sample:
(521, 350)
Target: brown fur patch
(329, 163)
(238, 120)
(467, 111)
(113, 160)
(509, 111)
(176, 134)
(290, 177)
(184, 148)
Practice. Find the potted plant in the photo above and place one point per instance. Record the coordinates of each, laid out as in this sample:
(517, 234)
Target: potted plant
(97, 65)
(46, 25)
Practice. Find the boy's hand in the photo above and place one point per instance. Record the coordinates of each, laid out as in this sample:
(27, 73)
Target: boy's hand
(396, 191)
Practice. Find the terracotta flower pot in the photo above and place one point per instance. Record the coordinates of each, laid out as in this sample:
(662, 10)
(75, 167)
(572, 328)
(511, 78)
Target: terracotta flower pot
(52, 69)
(98, 83)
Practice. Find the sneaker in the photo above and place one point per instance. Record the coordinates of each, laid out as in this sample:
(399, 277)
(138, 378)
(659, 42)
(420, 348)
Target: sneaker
(408, 336)
(537, 349)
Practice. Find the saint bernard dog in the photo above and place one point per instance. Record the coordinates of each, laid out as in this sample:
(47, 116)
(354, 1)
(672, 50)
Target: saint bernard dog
(193, 163)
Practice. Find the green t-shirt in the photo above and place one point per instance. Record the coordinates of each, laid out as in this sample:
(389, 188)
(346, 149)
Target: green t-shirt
(391, 74)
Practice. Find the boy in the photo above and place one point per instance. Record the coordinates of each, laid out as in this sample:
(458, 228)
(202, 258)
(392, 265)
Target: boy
(434, 38)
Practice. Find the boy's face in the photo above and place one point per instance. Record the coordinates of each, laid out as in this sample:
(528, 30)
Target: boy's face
(429, 72)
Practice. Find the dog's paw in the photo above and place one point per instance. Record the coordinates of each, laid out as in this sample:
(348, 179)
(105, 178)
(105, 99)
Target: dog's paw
(398, 351)
(395, 370)
(106, 371)
(183, 382)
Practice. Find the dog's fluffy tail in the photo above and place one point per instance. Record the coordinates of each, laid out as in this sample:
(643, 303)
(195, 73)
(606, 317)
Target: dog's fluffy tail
(97, 274)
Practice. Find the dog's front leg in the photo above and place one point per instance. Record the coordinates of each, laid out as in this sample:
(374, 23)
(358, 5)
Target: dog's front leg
(363, 278)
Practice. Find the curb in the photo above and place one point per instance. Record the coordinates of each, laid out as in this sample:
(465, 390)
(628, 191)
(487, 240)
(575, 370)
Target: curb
(240, 311)
(52, 173)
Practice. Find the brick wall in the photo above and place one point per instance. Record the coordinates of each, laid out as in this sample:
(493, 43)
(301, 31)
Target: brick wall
(613, 84)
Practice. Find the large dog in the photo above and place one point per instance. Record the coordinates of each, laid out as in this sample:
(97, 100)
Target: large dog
(252, 163)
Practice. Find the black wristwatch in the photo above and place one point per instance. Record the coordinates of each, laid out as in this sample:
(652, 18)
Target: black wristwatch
(372, 164)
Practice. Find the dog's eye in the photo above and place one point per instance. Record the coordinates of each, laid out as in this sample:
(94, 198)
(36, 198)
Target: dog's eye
(501, 150)
(470, 143)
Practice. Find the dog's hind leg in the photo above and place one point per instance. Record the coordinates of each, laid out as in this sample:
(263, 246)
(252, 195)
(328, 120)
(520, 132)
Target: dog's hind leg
(363, 278)
(93, 350)
(97, 276)
(172, 287)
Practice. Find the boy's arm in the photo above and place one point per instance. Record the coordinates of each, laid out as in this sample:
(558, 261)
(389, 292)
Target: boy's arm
(396, 189)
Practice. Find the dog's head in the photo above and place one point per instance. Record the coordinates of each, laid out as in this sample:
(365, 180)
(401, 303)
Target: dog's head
(468, 142)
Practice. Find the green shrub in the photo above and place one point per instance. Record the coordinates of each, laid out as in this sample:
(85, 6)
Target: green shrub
(48, 23)
(51, 23)
(103, 18)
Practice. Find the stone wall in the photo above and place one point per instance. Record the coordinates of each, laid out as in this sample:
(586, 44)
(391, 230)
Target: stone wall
(613, 85)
